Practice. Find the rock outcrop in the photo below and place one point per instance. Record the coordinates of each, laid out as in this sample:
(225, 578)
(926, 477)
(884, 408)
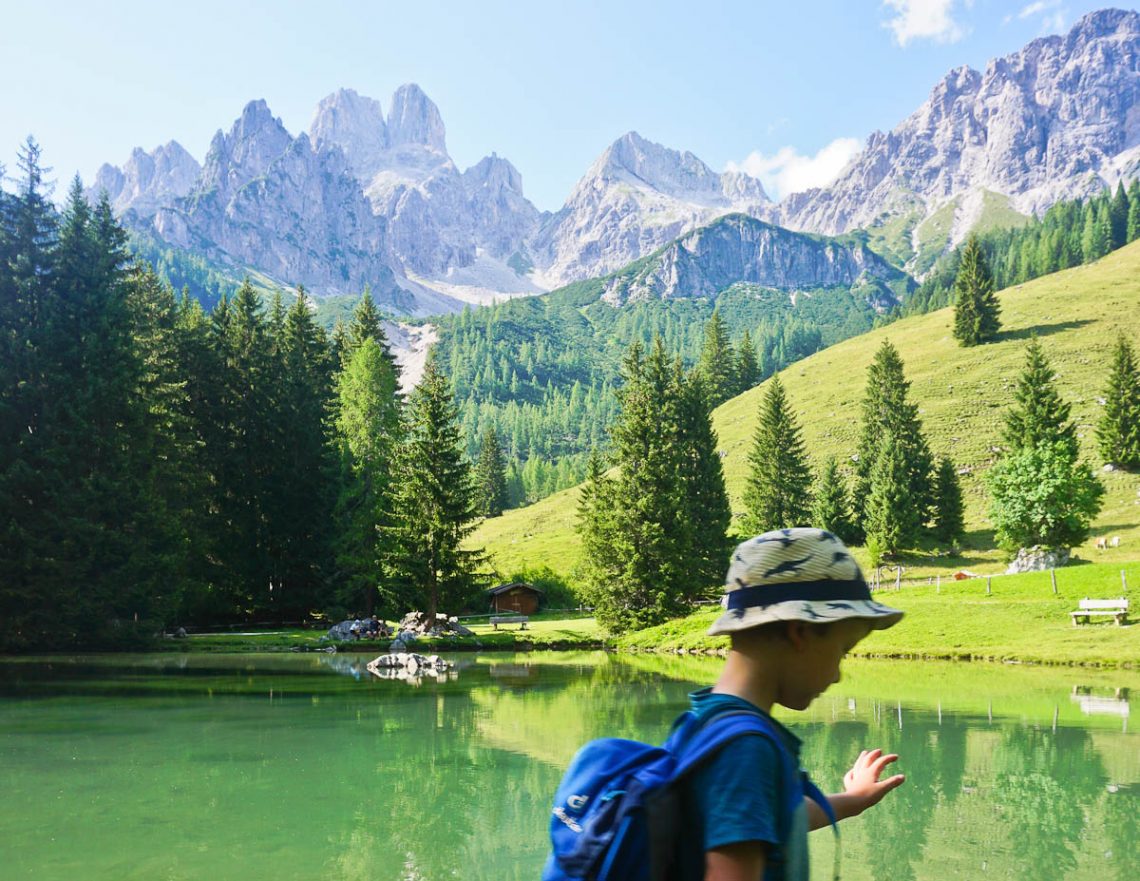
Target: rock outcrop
(636, 197)
(739, 248)
(1056, 120)
(268, 200)
(147, 181)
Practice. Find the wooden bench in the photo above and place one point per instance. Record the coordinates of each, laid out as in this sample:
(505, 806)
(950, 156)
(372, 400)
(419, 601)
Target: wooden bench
(1117, 609)
(509, 619)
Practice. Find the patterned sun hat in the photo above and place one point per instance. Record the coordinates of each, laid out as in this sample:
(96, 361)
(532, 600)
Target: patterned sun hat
(797, 575)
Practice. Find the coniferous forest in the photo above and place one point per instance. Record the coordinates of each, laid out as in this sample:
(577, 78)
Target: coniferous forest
(162, 464)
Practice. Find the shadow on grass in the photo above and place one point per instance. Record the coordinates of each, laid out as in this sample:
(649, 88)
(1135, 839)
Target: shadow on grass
(1041, 330)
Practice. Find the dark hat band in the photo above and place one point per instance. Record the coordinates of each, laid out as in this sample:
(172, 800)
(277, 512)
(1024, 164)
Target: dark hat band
(762, 595)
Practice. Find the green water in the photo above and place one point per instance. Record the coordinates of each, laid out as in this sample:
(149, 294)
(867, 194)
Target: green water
(300, 766)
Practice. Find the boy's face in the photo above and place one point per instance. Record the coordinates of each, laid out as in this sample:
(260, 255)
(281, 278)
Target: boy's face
(818, 656)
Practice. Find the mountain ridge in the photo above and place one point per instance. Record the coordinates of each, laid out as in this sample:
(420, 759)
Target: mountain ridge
(1056, 119)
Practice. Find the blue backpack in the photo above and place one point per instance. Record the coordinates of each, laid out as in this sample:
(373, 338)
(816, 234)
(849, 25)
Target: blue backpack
(616, 813)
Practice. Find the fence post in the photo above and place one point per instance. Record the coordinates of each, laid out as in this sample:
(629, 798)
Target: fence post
(938, 586)
(1053, 578)
(1123, 581)
(898, 577)
(987, 585)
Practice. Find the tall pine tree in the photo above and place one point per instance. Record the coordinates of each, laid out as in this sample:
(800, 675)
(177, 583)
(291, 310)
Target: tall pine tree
(949, 523)
(831, 504)
(976, 308)
(777, 493)
(887, 413)
(891, 521)
(365, 433)
(434, 506)
(747, 366)
(1118, 432)
(654, 533)
(717, 365)
(1038, 415)
(704, 499)
(491, 476)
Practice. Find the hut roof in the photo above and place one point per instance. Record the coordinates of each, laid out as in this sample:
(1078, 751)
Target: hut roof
(503, 588)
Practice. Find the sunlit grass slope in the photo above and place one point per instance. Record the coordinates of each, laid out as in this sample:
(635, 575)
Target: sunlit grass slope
(1020, 619)
(962, 395)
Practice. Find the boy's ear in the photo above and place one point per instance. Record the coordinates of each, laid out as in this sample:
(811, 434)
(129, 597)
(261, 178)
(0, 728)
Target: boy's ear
(797, 633)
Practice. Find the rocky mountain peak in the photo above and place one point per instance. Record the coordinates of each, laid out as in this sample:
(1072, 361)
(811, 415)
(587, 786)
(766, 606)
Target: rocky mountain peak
(644, 163)
(494, 173)
(1055, 120)
(356, 124)
(255, 139)
(147, 180)
(414, 120)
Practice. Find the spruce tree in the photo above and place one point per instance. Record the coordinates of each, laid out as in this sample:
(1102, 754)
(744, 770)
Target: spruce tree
(949, 523)
(717, 365)
(1118, 217)
(888, 413)
(597, 527)
(491, 476)
(1090, 247)
(1132, 232)
(434, 506)
(245, 406)
(777, 493)
(891, 522)
(976, 307)
(654, 533)
(301, 475)
(651, 538)
(365, 433)
(747, 366)
(1038, 415)
(1118, 432)
(704, 499)
(831, 505)
(367, 324)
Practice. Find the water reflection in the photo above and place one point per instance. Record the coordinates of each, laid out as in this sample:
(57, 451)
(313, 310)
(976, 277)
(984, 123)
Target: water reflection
(265, 768)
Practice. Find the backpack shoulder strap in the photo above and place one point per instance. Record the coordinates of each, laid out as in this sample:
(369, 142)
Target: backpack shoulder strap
(697, 745)
(694, 746)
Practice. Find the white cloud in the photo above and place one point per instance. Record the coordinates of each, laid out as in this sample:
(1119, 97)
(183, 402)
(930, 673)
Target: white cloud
(925, 20)
(1051, 13)
(788, 171)
(1034, 8)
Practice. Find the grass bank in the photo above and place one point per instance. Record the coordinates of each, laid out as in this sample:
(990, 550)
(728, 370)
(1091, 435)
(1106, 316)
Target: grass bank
(548, 631)
(1021, 619)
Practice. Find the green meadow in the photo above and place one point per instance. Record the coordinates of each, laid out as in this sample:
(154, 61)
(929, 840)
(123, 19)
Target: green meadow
(962, 394)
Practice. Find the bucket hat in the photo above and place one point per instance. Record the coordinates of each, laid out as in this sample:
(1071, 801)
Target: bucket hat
(797, 575)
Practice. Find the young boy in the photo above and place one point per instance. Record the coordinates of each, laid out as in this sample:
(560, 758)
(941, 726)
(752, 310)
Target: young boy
(795, 604)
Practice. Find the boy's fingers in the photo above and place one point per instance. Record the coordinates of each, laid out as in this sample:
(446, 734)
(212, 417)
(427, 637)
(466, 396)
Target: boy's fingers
(882, 762)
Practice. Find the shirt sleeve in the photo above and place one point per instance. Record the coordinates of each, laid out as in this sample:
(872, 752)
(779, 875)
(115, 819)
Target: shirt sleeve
(737, 793)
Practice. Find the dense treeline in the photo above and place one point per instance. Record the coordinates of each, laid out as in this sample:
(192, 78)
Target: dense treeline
(159, 463)
(1069, 234)
(541, 372)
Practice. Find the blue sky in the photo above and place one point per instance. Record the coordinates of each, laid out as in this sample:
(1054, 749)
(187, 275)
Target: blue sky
(786, 89)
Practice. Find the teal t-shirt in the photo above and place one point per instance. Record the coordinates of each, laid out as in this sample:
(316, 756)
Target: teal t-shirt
(736, 796)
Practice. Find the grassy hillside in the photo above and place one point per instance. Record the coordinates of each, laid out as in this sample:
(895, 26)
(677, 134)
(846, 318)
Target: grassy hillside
(962, 393)
(1021, 619)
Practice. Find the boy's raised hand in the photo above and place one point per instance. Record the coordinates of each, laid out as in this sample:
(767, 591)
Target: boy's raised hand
(862, 786)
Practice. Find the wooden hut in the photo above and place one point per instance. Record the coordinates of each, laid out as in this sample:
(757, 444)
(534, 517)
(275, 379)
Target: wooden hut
(518, 598)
